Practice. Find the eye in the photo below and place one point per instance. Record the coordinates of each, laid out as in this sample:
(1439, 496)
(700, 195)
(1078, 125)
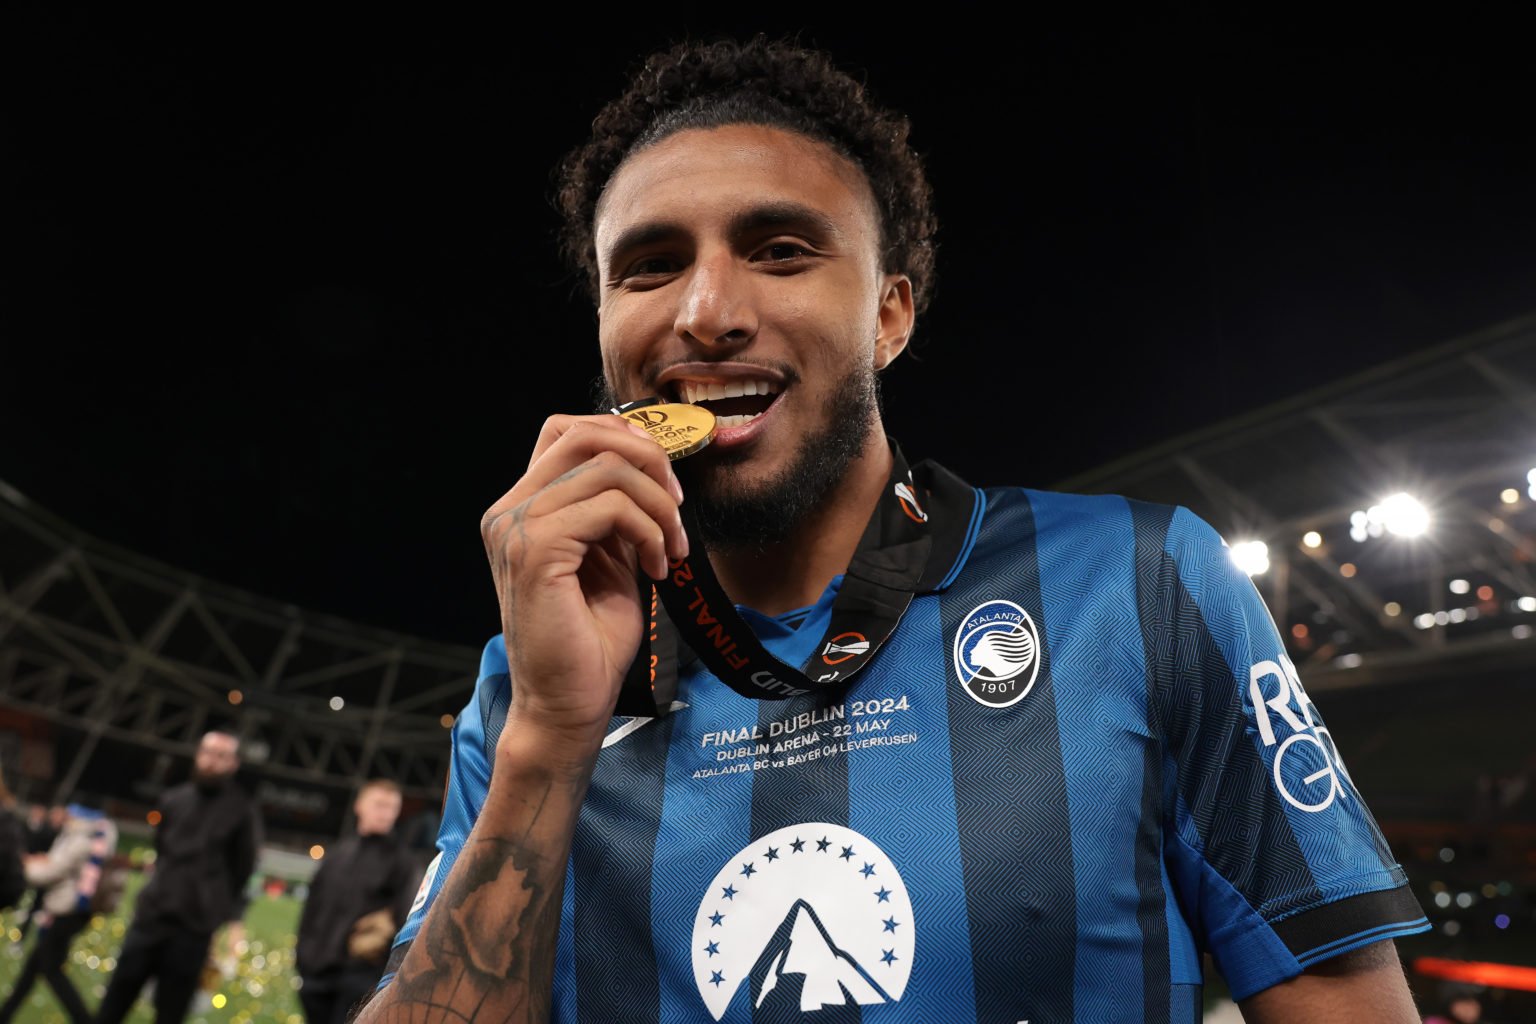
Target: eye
(648, 266)
(782, 252)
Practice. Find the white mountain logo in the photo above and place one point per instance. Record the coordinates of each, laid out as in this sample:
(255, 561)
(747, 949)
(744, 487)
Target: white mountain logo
(809, 917)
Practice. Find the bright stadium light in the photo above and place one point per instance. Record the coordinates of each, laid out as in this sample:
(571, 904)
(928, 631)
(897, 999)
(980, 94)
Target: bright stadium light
(1404, 515)
(1509, 495)
(1312, 539)
(1251, 556)
(1526, 604)
(1460, 586)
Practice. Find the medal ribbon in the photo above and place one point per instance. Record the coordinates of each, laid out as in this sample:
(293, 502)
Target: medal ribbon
(886, 570)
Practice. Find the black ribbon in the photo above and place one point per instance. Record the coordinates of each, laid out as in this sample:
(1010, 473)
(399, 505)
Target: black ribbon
(913, 536)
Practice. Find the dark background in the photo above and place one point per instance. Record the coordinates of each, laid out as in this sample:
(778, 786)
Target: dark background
(288, 313)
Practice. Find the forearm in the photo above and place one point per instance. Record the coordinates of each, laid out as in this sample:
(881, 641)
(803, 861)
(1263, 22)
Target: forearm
(486, 949)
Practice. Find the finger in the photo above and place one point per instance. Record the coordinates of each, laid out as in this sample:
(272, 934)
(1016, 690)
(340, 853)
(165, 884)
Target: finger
(607, 515)
(576, 439)
(607, 471)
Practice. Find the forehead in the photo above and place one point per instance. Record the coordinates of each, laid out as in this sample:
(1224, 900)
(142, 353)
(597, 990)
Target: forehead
(216, 741)
(701, 178)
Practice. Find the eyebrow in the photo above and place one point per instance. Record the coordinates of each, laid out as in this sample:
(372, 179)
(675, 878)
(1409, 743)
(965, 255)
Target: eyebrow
(750, 221)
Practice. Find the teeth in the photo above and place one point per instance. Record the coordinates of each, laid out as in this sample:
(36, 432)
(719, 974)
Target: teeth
(735, 421)
(702, 391)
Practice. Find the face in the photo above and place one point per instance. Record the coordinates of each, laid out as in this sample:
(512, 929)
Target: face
(740, 269)
(377, 809)
(218, 756)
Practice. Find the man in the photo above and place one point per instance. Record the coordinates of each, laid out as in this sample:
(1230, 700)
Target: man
(41, 829)
(66, 878)
(1079, 758)
(205, 850)
(43, 825)
(365, 876)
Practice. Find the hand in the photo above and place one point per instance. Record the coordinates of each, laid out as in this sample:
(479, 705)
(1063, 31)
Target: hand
(234, 939)
(598, 502)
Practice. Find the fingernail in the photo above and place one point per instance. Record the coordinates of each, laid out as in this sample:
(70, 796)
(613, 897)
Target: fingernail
(674, 485)
(637, 431)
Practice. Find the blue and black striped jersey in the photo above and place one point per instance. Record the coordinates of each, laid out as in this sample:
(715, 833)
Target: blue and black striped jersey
(1082, 759)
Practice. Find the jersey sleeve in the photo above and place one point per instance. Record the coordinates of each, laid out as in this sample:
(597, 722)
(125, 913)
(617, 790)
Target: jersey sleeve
(469, 779)
(1274, 857)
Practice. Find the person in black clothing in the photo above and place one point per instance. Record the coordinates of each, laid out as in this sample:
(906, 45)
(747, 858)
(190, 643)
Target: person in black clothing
(42, 828)
(205, 850)
(41, 831)
(363, 874)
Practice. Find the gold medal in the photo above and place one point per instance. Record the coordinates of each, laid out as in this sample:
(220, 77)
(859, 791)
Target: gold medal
(680, 429)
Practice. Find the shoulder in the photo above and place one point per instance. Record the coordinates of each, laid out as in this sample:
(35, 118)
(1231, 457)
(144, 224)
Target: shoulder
(1020, 514)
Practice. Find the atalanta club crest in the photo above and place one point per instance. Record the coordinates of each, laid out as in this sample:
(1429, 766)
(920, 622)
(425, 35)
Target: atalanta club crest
(997, 653)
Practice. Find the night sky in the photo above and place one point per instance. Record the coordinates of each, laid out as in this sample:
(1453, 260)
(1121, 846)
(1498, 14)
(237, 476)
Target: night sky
(289, 314)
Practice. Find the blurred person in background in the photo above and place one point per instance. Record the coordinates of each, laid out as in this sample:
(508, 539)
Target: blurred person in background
(68, 876)
(205, 851)
(1463, 1005)
(13, 846)
(357, 900)
(41, 831)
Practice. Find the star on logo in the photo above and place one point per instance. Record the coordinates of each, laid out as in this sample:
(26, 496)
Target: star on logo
(890, 924)
(773, 853)
(884, 895)
(715, 978)
(867, 870)
(715, 919)
(712, 948)
(847, 852)
(822, 844)
(889, 957)
(729, 892)
(747, 869)
(798, 845)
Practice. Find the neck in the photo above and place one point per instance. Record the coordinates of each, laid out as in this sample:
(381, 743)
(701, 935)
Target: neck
(793, 574)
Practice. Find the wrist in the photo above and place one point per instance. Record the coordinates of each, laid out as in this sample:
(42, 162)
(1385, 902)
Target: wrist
(529, 744)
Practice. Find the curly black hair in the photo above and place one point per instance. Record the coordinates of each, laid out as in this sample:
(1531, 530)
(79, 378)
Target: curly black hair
(776, 83)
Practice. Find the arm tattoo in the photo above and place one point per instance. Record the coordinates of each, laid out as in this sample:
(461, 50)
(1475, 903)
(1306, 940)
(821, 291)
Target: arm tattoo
(487, 949)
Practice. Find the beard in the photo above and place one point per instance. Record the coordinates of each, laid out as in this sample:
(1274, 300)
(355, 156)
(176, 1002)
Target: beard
(737, 512)
(208, 782)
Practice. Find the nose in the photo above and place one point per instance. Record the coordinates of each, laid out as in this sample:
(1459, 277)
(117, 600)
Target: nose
(718, 308)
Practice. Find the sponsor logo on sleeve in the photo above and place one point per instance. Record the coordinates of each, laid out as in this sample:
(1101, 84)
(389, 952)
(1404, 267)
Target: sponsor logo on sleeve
(1308, 771)
(427, 879)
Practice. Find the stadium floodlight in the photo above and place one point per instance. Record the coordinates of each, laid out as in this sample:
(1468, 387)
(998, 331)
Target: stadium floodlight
(1460, 586)
(1312, 539)
(1526, 604)
(1509, 495)
(1403, 514)
(1251, 556)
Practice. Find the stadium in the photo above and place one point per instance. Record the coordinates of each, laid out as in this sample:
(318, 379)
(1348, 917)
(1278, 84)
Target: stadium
(1388, 520)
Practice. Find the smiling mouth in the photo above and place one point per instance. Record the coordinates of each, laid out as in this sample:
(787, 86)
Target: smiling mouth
(734, 403)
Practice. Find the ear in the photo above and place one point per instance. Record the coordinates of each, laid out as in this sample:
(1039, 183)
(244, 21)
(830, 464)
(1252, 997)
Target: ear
(896, 319)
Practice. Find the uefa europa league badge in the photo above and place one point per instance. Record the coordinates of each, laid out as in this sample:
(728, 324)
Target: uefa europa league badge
(680, 429)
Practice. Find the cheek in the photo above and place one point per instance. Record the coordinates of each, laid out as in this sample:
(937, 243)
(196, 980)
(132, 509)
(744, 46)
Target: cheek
(622, 334)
